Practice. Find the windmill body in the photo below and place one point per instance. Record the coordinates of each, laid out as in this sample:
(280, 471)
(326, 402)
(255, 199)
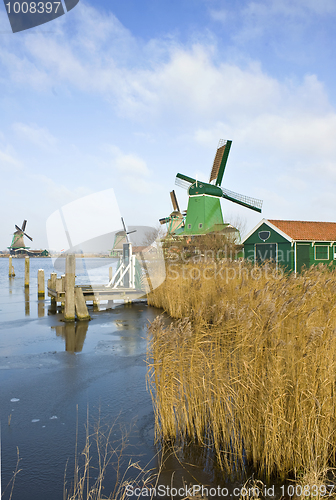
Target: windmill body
(175, 221)
(17, 241)
(204, 212)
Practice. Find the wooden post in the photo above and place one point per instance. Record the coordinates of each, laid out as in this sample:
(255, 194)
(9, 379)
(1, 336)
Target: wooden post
(110, 274)
(62, 288)
(52, 286)
(40, 308)
(70, 268)
(11, 272)
(81, 309)
(27, 304)
(53, 278)
(26, 271)
(40, 284)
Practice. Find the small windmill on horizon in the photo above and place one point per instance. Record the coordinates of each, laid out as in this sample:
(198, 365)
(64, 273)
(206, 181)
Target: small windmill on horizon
(18, 245)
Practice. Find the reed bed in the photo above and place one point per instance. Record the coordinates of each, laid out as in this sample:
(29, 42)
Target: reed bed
(102, 456)
(248, 369)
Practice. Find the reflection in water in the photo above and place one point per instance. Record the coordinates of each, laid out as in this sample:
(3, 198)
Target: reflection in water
(27, 304)
(52, 309)
(131, 339)
(40, 308)
(11, 281)
(74, 335)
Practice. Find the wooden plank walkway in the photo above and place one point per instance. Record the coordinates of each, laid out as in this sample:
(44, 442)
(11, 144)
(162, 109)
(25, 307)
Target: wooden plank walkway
(96, 293)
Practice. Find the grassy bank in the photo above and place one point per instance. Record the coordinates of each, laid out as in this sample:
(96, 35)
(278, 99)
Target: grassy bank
(250, 368)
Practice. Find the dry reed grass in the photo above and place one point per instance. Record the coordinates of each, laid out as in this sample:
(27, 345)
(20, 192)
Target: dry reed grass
(102, 457)
(250, 367)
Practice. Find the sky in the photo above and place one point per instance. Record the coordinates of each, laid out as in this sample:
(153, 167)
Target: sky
(123, 95)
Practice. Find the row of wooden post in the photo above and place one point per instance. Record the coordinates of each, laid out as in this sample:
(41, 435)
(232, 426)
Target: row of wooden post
(40, 276)
(74, 299)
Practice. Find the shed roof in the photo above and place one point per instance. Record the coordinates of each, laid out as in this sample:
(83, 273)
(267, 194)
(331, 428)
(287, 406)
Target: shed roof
(307, 230)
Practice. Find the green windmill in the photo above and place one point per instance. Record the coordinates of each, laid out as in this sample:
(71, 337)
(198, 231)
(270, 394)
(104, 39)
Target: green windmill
(18, 245)
(175, 222)
(204, 213)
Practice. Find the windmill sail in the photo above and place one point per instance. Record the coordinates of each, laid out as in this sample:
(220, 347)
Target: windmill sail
(220, 160)
(184, 181)
(174, 201)
(245, 201)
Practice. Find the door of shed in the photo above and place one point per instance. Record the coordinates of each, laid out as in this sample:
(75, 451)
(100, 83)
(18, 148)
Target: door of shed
(265, 251)
(302, 256)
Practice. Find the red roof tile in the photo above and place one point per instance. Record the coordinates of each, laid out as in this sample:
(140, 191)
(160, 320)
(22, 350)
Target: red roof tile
(306, 230)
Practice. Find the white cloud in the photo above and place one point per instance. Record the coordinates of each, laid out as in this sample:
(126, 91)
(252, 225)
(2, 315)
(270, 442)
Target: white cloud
(58, 194)
(155, 80)
(126, 163)
(258, 18)
(8, 160)
(141, 186)
(221, 15)
(131, 164)
(35, 134)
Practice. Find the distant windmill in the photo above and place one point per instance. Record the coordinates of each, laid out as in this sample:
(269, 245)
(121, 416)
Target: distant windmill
(204, 213)
(18, 242)
(176, 220)
(120, 238)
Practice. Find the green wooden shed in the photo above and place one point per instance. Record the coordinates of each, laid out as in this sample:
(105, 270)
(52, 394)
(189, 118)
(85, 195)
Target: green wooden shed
(291, 244)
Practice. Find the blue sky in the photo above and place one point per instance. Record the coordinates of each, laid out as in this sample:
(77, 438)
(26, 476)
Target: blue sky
(124, 95)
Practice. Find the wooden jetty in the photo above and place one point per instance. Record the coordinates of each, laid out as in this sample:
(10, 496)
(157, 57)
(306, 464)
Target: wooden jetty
(123, 286)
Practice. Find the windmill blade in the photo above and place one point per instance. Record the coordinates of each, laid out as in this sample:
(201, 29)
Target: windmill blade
(29, 237)
(245, 201)
(174, 201)
(184, 181)
(124, 226)
(18, 228)
(24, 223)
(165, 220)
(220, 160)
(125, 230)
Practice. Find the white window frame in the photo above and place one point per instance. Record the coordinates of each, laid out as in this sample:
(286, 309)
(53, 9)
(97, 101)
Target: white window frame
(315, 246)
